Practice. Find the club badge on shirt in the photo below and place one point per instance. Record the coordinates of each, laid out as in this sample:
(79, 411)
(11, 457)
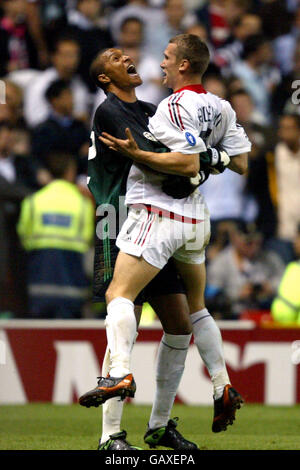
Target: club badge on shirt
(190, 138)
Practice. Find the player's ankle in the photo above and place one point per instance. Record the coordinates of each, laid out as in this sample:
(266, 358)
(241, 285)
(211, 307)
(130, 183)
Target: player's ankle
(220, 380)
(119, 371)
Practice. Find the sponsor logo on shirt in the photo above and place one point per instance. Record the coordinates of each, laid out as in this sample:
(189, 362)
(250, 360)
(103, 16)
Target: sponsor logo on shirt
(190, 138)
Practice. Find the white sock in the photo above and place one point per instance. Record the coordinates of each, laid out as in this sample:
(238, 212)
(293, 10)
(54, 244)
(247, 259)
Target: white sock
(208, 340)
(170, 366)
(121, 332)
(112, 409)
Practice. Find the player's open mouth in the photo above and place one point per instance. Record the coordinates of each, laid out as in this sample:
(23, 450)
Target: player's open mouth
(131, 70)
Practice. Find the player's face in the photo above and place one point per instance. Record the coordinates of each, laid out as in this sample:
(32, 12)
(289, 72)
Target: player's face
(120, 69)
(170, 66)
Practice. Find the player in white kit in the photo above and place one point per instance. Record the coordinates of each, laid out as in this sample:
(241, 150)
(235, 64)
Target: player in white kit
(191, 123)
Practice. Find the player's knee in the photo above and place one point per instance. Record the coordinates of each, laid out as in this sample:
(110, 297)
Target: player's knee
(182, 328)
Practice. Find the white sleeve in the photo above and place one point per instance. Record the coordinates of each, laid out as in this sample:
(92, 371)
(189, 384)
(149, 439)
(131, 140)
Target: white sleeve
(175, 127)
(235, 140)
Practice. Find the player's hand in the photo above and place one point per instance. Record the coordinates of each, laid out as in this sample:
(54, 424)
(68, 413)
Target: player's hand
(179, 187)
(127, 146)
(217, 159)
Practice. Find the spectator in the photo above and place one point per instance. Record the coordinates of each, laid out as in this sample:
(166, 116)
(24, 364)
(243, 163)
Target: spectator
(229, 201)
(177, 18)
(88, 26)
(16, 168)
(247, 275)
(286, 306)
(18, 178)
(259, 77)
(61, 131)
(65, 60)
(148, 15)
(56, 228)
(285, 168)
(218, 16)
(257, 177)
(17, 50)
(243, 27)
(131, 33)
(213, 15)
(235, 9)
(170, 20)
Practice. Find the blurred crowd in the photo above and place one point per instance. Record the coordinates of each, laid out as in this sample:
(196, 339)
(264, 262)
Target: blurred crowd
(47, 101)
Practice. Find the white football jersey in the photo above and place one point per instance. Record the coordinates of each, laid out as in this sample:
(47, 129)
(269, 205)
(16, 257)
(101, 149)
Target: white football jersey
(189, 121)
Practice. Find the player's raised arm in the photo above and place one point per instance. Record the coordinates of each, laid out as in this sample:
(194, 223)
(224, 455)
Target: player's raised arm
(175, 163)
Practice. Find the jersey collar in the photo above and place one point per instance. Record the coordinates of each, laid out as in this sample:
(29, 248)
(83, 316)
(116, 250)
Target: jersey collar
(196, 88)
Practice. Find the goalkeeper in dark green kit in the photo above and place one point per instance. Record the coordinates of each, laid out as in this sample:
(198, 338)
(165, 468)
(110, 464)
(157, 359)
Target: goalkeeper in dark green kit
(108, 170)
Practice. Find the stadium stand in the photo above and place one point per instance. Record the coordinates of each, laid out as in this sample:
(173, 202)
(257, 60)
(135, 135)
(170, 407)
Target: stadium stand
(254, 64)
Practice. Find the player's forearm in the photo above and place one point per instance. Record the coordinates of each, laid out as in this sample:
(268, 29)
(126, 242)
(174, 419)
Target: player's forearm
(174, 163)
(239, 163)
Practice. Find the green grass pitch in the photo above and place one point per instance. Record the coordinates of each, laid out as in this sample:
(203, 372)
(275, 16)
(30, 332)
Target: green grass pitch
(72, 427)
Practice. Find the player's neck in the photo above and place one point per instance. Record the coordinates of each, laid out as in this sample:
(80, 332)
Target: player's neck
(187, 81)
(127, 95)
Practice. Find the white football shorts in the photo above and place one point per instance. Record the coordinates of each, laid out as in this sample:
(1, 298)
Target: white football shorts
(159, 235)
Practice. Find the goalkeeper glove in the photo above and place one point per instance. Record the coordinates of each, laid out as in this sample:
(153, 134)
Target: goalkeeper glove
(180, 187)
(217, 160)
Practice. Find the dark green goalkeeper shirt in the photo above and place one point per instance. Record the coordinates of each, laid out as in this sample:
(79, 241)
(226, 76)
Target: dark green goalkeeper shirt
(108, 170)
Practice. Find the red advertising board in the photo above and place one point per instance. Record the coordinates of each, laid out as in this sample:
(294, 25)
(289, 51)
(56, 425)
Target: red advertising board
(56, 361)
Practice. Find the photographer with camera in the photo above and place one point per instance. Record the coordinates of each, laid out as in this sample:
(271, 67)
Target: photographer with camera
(245, 273)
